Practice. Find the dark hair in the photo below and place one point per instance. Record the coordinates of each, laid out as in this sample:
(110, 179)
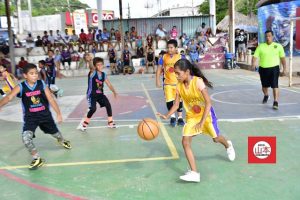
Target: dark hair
(28, 67)
(42, 62)
(269, 31)
(97, 60)
(174, 42)
(50, 50)
(184, 64)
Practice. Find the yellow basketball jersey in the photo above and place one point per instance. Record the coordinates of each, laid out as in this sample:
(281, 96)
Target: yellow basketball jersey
(10, 81)
(168, 67)
(192, 98)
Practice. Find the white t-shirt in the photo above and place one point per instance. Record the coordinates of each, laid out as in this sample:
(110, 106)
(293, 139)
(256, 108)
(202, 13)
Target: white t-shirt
(160, 33)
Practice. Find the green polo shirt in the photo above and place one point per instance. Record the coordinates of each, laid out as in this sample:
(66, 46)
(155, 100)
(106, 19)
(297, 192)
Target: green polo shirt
(269, 55)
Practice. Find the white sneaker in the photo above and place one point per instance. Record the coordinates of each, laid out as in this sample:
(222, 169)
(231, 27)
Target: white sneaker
(191, 176)
(230, 151)
(81, 127)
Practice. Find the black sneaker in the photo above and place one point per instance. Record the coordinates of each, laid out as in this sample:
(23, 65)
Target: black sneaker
(180, 122)
(173, 121)
(265, 100)
(275, 105)
(36, 163)
(65, 144)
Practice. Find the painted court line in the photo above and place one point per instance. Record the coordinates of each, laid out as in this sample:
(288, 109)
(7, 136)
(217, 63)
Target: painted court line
(162, 126)
(40, 187)
(92, 162)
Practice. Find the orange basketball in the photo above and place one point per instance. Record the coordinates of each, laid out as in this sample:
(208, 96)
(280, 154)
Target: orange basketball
(148, 129)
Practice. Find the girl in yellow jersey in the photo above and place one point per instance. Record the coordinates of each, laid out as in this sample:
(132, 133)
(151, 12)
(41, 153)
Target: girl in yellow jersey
(10, 81)
(200, 116)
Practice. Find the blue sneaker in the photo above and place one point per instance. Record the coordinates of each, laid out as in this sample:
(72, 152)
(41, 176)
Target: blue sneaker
(180, 122)
(173, 121)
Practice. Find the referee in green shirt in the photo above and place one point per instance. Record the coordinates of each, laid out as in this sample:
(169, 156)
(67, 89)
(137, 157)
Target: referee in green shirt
(270, 55)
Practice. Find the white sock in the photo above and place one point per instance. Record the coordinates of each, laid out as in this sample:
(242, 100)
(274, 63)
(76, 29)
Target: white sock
(173, 116)
(179, 117)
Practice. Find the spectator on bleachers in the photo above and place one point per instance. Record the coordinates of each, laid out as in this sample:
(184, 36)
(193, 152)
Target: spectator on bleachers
(200, 29)
(89, 39)
(193, 51)
(160, 34)
(150, 59)
(112, 34)
(174, 33)
(149, 42)
(133, 36)
(59, 42)
(185, 40)
(20, 66)
(46, 43)
(118, 38)
(81, 56)
(209, 33)
(87, 61)
(105, 37)
(202, 43)
(39, 42)
(83, 38)
(112, 59)
(66, 37)
(126, 56)
(74, 38)
(99, 39)
(29, 43)
(139, 47)
(57, 59)
(66, 57)
(126, 37)
(51, 38)
(51, 69)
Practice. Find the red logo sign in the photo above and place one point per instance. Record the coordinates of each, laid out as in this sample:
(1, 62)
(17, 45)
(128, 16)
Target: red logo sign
(262, 149)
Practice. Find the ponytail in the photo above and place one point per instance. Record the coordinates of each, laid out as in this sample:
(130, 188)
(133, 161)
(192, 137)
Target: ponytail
(195, 71)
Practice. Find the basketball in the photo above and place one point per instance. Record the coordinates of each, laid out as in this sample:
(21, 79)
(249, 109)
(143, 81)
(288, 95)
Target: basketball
(196, 109)
(148, 129)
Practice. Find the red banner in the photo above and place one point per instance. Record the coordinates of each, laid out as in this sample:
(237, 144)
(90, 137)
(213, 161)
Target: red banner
(298, 29)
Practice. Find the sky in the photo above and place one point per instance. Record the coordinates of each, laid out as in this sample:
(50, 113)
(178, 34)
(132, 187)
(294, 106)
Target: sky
(137, 7)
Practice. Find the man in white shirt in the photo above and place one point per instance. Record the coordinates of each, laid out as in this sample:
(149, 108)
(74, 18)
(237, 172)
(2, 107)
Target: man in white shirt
(160, 34)
(200, 29)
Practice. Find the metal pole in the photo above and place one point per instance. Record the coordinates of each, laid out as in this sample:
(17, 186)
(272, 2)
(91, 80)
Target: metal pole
(231, 26)
(291, 54)
(30, 14)
(11, 42)
(212, 12)
(20, 23)
(121, 24)
(99, 10)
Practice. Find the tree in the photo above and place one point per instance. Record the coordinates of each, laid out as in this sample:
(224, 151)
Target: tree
(244, 6)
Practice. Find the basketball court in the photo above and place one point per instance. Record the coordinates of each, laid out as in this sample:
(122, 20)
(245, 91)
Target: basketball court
(116, 164)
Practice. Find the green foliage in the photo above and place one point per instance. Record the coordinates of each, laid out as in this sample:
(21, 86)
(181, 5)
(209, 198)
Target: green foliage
(3, 10)
(45, 7)
(243, 6)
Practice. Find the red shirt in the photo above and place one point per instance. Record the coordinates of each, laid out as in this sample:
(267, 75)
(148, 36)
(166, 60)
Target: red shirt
(83, 37)
(22, 63)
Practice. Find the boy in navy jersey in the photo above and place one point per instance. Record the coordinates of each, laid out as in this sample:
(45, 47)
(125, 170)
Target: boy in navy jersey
(36, 98)
(95, 94)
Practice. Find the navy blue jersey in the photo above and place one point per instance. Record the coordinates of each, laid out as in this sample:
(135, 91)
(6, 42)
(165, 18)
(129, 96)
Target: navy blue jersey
(111, 53)
(126, 55)
(34, 100)
(50, 67)
(96, 84)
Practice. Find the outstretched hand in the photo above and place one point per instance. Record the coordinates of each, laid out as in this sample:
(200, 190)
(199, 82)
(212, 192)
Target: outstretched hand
(162, 116)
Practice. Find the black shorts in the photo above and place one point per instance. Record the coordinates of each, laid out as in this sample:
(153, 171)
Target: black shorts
(112, 60)
(269, 76)
(46, 124)
(102, 100)
(126, 62)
